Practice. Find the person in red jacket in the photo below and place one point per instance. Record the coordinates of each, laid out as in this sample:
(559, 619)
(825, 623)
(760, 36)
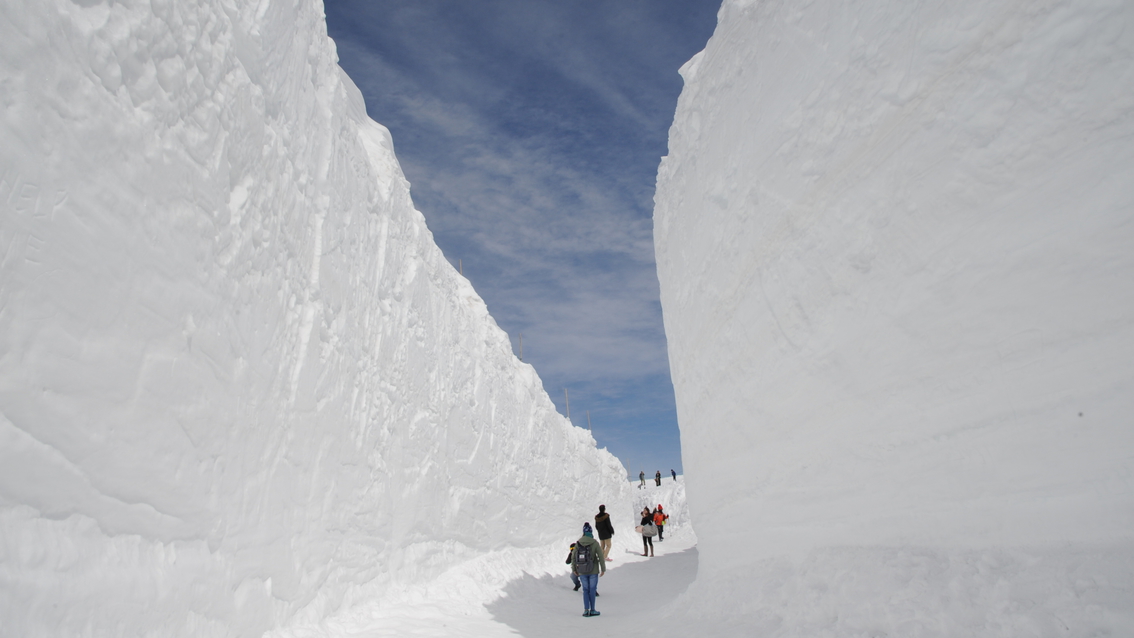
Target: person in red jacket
(659, 520)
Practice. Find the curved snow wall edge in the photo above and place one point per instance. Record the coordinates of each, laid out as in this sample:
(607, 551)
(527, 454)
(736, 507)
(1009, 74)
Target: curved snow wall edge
(893, 241)
(237, 378)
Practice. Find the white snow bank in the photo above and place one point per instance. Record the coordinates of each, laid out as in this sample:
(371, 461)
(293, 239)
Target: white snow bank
(240, 387)
(894, 244)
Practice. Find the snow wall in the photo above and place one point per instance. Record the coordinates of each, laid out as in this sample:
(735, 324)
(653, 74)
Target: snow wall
(240, 387)
(896, 250)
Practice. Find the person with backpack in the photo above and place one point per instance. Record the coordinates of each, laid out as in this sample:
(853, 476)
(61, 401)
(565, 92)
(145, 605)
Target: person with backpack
(588, 562)
(647, 530)
(605, 530)
(659, 521)
(574, 576)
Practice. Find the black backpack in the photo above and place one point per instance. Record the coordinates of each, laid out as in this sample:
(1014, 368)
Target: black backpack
(584, 559)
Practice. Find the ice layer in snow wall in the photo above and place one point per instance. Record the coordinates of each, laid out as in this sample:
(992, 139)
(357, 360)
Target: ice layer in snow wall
(896, 250)
(240, 386)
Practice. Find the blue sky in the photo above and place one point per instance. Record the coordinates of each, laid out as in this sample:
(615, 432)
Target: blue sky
(531, 132)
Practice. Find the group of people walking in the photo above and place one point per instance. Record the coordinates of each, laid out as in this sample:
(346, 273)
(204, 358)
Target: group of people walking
(588, 557)
(657, 477)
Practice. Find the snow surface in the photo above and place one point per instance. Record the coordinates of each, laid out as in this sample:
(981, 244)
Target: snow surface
(539, 602)
(633, 595)
(243, 393)
(241, 389)
(896, 250)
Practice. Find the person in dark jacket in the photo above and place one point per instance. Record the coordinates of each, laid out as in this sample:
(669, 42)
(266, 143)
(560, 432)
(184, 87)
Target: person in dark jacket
(647, 537)
(605, 530)
(574, 576)
(673, 473)
(657, 478)
(589, 577)
(642, 477)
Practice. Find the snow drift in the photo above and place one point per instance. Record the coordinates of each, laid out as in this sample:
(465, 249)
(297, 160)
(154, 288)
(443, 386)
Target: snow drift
(240, 386)
(894, 244)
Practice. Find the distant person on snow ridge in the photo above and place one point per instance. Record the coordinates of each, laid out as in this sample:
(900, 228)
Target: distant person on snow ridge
(605, 530)
(657, 478)
(642, 477)
(588, 562)
(673, 473)
(659, 520)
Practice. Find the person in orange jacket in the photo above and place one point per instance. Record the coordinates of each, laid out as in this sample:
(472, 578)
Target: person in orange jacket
(659, 520)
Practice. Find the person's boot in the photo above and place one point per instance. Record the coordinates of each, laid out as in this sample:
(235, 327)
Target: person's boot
(576, 588)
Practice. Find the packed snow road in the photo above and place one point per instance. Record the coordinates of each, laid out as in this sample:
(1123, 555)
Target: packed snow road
(528, 592)
(631, 597)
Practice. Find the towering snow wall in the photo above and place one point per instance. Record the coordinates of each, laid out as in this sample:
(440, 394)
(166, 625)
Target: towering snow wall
(240, 386)
(896, 250)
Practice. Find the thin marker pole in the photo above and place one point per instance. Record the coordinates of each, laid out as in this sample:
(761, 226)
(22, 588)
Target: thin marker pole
(588, 420)
(461, 267)
(521, 346)
(566, 396)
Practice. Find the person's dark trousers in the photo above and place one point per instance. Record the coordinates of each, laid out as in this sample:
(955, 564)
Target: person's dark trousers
(575, 579)
(590, 587)
(661, 535)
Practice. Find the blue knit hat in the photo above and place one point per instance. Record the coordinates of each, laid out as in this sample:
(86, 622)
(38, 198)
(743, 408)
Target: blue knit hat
(587, 530)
